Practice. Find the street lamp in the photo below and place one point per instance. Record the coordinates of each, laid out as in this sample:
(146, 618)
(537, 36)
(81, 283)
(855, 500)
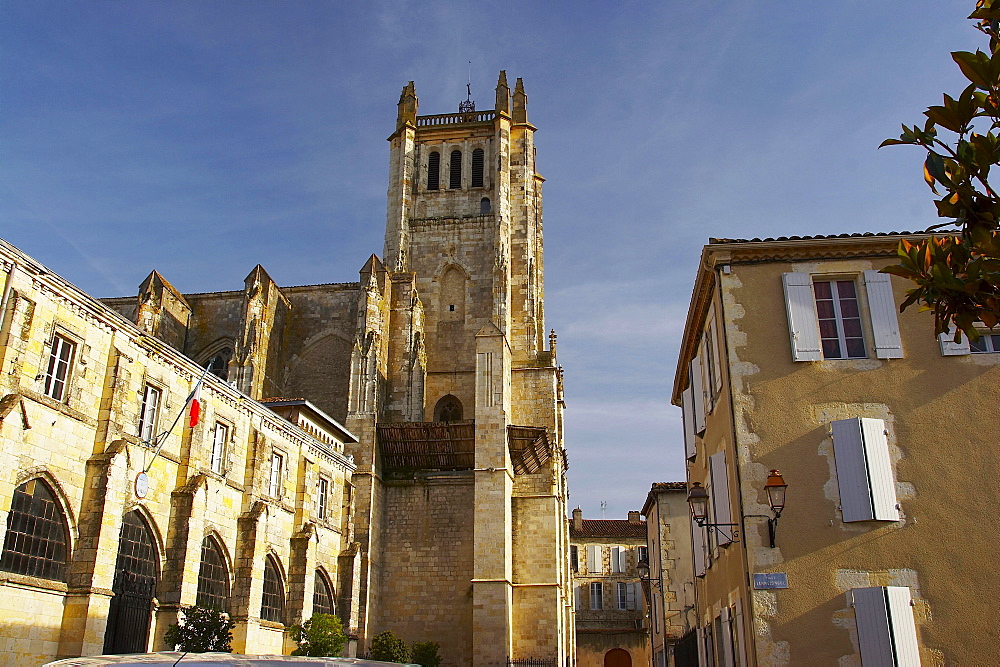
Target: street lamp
(775, 488)
(698, 500)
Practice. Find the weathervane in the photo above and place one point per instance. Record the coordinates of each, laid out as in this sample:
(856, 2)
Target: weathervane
(469, 104)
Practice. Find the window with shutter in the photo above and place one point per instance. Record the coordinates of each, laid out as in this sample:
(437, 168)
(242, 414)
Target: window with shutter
(578, 593)
(800, 308)
(698, 394)
(720, 498)
(617, 560)
(687, 406)
(477, 168)
(698, 547)
(882, 306)
(864, 470)
(574, 558)
(738, 640)
(622, 589)
(949, 348)
(887, 634)
(594, 564)
(455, 172)
(632, 597)
(596, 596)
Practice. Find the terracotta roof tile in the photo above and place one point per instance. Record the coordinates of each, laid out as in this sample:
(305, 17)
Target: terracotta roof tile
(609, 528)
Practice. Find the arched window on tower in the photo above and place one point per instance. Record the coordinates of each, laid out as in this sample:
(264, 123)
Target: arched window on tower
(37, 538)
(484, 206)
(218, 365)
(324, 600)
(448, 409)
(272, 604)
(477, 168)
(433, 170)
(213, 577)
(455, 177)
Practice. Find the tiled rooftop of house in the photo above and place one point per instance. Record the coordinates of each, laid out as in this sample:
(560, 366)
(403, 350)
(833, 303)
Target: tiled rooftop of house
(609, 528)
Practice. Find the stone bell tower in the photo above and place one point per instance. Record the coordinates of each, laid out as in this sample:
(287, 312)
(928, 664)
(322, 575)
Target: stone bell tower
(464, 243)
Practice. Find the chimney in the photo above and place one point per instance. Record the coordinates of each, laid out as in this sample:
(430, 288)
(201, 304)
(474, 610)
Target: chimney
(633, 517)
(578, 519)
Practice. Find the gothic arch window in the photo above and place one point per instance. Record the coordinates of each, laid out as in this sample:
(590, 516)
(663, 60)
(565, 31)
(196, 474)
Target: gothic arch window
(477, 168)
(37, 539)
(433, 170)
(448, 409)
(455, 175)
(213, 576)
(484, 206)
(323, 595)
(218, 365)
(272, 604)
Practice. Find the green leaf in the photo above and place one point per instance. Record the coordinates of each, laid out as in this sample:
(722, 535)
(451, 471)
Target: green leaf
(975, 67)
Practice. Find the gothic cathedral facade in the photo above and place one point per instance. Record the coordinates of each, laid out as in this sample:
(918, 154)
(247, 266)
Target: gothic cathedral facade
(438, 363)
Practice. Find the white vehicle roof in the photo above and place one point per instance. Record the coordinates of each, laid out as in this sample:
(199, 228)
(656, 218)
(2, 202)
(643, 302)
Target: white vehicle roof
(213, 660)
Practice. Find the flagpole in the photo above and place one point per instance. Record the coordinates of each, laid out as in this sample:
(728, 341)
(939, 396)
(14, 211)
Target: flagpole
(161, 437)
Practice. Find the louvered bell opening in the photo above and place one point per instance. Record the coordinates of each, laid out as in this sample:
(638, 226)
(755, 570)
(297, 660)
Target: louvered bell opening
(455, 177)
(434, 171)
(477, 168)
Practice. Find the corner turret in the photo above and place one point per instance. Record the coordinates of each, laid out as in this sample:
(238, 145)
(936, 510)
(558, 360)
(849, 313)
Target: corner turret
(503, 94)
(520, 114)
(407, 106)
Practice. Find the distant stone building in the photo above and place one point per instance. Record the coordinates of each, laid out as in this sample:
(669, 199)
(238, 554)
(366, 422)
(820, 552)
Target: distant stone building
(670, 586)
(610, 612)
(437, 359)
(112, 515)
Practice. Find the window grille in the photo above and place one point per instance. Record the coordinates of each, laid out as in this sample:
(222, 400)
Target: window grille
(323, 596)
(272, 603)
(213, 577)
(60, 362)
(149, 413)
(36, 540)
(477, 168)
(434, 171)
(455, 175)
(136, 552)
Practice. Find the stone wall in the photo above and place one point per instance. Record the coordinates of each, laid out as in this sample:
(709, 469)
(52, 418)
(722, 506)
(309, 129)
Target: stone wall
(427, 556)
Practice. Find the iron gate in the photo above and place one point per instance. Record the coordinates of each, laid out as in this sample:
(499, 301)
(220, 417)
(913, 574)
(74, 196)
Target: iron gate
(134, 587)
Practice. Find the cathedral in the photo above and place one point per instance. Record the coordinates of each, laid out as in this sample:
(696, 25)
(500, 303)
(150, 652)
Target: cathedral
(438, 366)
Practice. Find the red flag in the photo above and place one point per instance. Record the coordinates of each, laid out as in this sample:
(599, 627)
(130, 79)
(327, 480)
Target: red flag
(195, 405)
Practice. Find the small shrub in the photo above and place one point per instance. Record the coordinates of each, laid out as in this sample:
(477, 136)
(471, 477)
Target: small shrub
(390, 648)
(425, 654)
(203, 631)
(321, 636)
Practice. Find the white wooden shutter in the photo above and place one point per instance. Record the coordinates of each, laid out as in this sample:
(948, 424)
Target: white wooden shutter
(695, 375)
(698, 547)
(616, 560)
(803, 325)
(714, 336)
(630, 597)
(578, 593)
(727, 657)
(864, 470)
(690, 441)
(720, 497)
(887, 634)
(883, 486)
(904, 629)
(702, 656)
(882, 306)
(949, 348)
(740, 642)
(593, 558)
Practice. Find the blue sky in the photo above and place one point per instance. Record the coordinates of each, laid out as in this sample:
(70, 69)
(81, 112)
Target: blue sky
(200, 138)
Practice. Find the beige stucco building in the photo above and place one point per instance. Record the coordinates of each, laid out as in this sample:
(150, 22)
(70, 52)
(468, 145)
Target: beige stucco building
(439, 362)
(611, 629)
(669, 590)
(796, 358)
(112, 515)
